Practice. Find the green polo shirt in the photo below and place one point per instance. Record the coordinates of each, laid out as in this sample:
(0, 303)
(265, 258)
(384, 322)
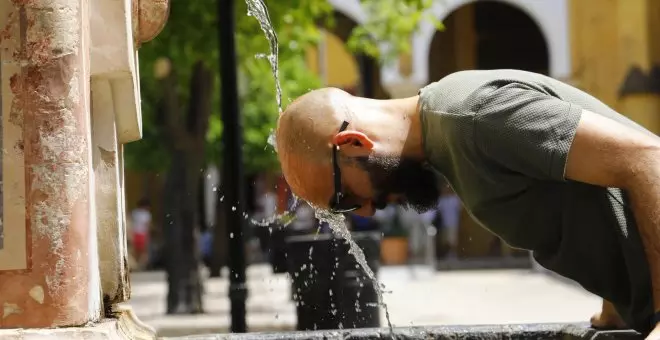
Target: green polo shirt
(501, 139)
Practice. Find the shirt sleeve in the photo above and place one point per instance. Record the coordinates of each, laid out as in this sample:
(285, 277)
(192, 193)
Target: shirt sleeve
(526, 130)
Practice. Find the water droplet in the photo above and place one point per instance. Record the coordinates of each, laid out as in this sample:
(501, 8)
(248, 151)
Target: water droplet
(231, 235)
(233, 208)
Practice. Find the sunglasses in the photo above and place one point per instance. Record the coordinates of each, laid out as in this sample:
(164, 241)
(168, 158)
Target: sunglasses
(337, 205)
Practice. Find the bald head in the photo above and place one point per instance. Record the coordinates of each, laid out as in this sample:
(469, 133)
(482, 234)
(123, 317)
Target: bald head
(307, 125)
(374, 166)
(304, 138)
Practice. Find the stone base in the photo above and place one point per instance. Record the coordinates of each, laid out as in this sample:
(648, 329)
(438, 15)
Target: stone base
(486, 332)
(125, 325)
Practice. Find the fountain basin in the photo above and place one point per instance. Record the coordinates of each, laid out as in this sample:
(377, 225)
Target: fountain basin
(485, 332)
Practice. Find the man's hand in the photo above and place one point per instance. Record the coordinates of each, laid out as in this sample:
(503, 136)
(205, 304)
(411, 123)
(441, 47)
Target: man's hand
(610, 154)
(607, 318)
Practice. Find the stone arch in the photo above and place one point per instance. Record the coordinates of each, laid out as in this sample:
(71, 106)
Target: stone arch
(550, 16)
(488, 35)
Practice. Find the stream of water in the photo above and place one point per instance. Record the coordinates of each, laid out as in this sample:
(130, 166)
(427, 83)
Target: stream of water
(337, 223)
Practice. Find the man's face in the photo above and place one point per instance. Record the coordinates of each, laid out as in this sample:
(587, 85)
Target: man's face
(413, 184)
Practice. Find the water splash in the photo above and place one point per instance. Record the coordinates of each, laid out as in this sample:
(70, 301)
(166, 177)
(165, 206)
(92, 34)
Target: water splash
(258, 10)
(271, 140)
(285, 216)
(337, 223)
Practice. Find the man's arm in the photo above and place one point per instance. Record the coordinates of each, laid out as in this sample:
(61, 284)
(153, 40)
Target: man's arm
(610, 154)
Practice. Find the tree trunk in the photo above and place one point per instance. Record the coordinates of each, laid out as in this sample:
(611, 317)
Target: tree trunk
(172, 220)
(182, 218)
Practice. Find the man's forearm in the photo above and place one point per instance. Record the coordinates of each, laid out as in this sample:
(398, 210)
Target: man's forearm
(644, 192)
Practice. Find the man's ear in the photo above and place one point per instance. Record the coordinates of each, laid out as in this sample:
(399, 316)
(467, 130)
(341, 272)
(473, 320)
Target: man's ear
(353, 143)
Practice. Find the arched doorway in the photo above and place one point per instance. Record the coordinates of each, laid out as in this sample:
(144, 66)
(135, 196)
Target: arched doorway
(486, 35)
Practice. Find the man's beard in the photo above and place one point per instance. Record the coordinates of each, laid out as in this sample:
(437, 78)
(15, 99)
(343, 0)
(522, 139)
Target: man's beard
(412, 180)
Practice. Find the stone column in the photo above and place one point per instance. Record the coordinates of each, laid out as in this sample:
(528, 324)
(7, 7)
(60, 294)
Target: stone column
(111, 229)
(45, 109)
(117, 30)
(54, 190)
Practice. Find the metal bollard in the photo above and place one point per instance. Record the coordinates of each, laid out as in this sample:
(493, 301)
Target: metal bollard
(329, 290)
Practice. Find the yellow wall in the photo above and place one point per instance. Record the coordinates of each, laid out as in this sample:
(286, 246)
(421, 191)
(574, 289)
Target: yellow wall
(342, 70)
(608, 38)
(594, 48)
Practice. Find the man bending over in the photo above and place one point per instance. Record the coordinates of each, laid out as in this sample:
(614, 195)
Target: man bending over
(545, 166)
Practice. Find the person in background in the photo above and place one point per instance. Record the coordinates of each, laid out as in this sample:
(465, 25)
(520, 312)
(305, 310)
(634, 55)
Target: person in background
(449, 207)
(386, 218)
(267, 205)
(266, 216)
(413, 222)
(362, 223)
(141, 224)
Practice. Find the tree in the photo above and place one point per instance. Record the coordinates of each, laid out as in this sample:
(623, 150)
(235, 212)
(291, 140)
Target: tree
(189, 42)
(185, 142)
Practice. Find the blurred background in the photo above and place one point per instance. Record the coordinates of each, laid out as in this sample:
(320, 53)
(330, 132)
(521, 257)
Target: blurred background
(439, 267)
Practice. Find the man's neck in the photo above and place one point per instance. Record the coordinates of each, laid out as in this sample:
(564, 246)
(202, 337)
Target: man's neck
(409, 109)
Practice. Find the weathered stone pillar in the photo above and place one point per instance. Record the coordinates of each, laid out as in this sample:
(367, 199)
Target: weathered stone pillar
(45, 111)
(69, 99)
(111, 228)
(117, 30)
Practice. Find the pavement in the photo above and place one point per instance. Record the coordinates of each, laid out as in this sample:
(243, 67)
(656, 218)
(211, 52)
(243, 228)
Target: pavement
(415, 296)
